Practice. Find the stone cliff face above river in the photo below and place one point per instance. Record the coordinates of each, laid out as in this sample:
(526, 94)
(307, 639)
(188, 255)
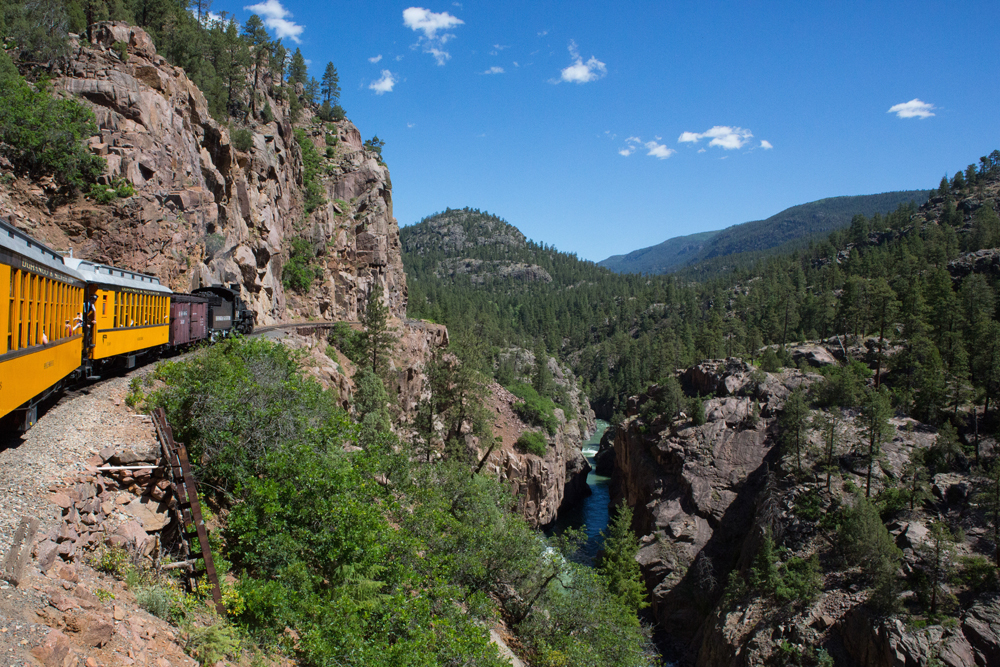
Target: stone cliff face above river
(205, 212)
(704, 495)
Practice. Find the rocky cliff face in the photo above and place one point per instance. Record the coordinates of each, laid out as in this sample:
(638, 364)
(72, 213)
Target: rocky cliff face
(542, 484)
(703, 496)
(693, 489)
(205, 212)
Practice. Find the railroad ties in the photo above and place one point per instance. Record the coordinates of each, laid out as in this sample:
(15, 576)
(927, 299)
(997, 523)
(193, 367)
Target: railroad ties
(187, 510)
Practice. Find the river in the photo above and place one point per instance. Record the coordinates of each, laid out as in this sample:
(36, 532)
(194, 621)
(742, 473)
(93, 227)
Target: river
(592, 512)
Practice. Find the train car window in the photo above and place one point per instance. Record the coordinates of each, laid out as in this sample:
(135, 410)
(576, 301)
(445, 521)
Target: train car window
(10, 311)
(104, 304)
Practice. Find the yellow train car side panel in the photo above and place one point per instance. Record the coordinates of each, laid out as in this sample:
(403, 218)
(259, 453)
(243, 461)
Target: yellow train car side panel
(134, 332)
(28, 373)
(6, 308)
(111, 342)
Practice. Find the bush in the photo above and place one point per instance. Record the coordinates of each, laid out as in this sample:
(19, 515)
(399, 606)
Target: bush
(532, 442)
(242, 139)
(330, 153)
(310, 178)
(211, 644)
(105, 194)
(255, 403)
(159, 600)
(332, 140)
(213, 244)
(337, 112)
(844, 385)
(697, 408)
(121, 48)
(298, 273)
(41, 135)
(266, 114)
(800, 580)
(534, 409)
(348, 341)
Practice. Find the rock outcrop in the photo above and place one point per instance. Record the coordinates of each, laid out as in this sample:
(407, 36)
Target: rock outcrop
(694, 488)
(205, 211)
(539, 482)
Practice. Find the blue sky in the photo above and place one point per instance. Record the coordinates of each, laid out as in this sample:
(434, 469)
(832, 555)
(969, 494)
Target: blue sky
(604, 127)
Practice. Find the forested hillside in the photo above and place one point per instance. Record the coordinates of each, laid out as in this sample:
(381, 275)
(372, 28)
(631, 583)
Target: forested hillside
(742, 244)
(621, 332)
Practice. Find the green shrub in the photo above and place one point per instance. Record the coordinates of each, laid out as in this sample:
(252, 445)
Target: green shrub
(330, 153)
(348, 341)
(242, 139)
(213, 244)
(298, 273)
(809, 505)
(332, 140)
(121, 48)
(41, 135)
(158, 600)
(800, 580)
(105, 194)
(697, 408)
(211, 644)
(534, 409)
(255, 403)
(266, 114)
(532, 442)
(310, 178)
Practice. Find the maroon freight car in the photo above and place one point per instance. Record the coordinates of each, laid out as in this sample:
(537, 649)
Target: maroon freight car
(188, 319)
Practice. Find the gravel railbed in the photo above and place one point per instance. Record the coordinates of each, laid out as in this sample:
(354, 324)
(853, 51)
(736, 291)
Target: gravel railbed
(69, 433)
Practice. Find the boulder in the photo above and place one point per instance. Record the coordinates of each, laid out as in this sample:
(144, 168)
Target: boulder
(151, 514)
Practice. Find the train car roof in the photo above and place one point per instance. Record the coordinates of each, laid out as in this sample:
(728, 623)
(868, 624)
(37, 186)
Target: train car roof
(14, 240)
(93, 272)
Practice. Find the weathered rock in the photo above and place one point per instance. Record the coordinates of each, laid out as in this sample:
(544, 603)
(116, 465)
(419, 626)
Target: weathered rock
(55, 651)
(151, 514)
(92, 628)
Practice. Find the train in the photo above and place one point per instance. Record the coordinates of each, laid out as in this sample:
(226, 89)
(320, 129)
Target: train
(68, 319)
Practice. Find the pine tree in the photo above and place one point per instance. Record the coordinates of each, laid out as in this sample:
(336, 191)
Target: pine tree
(297, 72)
(795, 421)
(875, 413)
(618, 566)
(331, 84)
(377, 335)
(260, 50)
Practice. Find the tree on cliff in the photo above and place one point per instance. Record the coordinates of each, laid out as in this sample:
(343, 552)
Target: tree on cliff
(795, 422)
(377, 336)
(618, 567)
(41, 135)
(331, 84)
(875, 413)
(297, 71)
(260, 49)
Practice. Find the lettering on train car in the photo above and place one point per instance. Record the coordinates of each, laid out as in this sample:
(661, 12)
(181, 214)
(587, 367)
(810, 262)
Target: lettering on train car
(48, 364)
(222, 318)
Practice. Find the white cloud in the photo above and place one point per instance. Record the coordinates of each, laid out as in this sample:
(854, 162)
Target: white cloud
(631, 144)
(702, 150)
(411, 125)
(432, 25)
(423, 20)
(399, 57)
(494, 70)
(765, 144)
(543, 33)
(582, 72)
(276, 18)
(626, 151)
(375, 59)
(722, 136)
(912, 109)
(384, 84)
(515, 64)
(659, 150)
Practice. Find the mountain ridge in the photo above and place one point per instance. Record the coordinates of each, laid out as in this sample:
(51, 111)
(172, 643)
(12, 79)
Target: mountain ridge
(799, 222)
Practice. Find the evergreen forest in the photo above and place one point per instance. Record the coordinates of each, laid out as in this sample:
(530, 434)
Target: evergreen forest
(909, 278)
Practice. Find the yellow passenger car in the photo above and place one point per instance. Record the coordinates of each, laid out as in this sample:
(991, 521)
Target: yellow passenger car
(42, 337)
(125, 313)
